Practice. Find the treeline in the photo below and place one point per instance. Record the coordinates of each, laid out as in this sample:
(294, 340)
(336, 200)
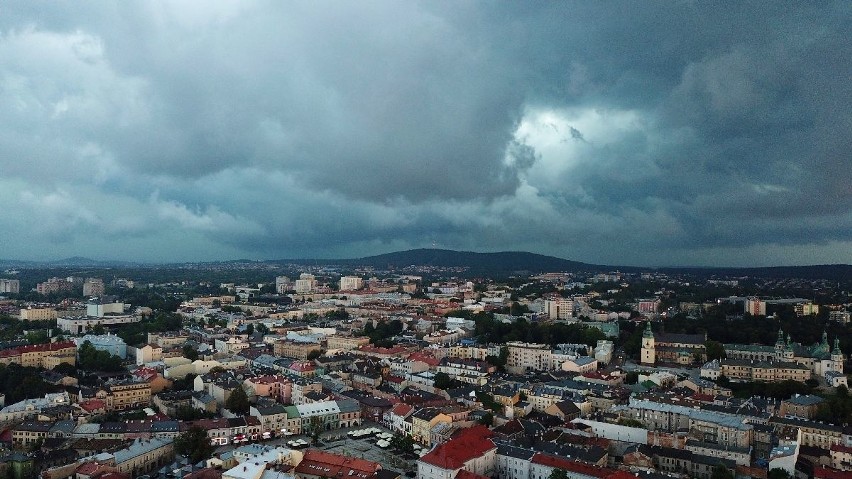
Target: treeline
(837, 408)
(490, 330)
(19, 383)
(13, 328)
(757, 329)
(382, 332)
(137, 333)
(91, 359)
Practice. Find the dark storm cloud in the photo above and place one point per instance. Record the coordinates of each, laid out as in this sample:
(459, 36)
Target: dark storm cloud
(641, 132)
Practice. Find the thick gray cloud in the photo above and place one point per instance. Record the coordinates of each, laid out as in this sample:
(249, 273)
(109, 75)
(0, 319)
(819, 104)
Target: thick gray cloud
(643, 133)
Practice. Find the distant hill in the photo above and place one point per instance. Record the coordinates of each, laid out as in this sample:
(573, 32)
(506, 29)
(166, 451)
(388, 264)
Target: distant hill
(73, 262)
(485, 263)
(831, 272)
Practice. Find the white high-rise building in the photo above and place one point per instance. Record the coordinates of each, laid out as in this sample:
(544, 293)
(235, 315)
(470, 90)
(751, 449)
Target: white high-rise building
(283, 284)
(306, 283)
(559, 308)
(755, 306)
(10, 286)
(351, 283)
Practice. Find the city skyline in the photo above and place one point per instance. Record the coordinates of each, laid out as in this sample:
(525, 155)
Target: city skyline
(667, 134)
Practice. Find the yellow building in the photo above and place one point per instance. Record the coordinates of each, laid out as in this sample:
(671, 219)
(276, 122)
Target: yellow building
(125, 395)
(295, 350)
(347, 343)
(424, 420)
(38, 314)
(41, 355)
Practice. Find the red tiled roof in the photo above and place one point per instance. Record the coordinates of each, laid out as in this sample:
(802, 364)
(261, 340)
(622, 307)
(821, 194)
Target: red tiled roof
(469, 475)
(114, 475)
(573, 466)
(468, 444)
(92, 405)
(303, 366)
(36, 348)
(401, 409)
(841, 448)
(432, 361)
(826, 473)
(91, 468)
(326, 464)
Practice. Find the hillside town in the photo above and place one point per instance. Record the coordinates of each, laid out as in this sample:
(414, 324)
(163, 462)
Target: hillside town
(423, 372)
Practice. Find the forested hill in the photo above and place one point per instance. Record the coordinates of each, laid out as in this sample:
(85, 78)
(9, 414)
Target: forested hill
(493, 263)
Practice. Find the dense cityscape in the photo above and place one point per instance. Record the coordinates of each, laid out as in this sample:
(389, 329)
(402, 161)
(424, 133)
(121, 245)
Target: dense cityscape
(425, 239)
(322, 371)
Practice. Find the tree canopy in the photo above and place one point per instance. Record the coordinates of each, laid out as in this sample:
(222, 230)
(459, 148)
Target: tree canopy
(194, 444)
(238, 402)
(91, 359)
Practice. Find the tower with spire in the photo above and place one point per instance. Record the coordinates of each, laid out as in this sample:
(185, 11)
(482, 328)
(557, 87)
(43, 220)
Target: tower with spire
(648, 354)
(836, 357)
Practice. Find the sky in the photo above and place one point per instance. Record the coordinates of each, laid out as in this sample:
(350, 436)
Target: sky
(658, 133)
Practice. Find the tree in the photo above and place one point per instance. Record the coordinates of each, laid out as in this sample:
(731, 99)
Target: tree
(715, 350)
(189, 352)
(558, 474)
(778, 474)
(315, 353)
(195, 444)
(487, 419)
(91, 359)
(721, 472)
(443, 380)
(238, 401)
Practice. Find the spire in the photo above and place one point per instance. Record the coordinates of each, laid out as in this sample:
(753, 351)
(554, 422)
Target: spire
(648, 332)
(836, 348)
(825, 337)
(780, 337)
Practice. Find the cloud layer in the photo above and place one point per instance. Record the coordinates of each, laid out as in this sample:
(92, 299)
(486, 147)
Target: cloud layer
(641, 133)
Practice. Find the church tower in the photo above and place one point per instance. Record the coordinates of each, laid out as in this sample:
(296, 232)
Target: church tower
(837, 357)
(648, 354)
(780, 346)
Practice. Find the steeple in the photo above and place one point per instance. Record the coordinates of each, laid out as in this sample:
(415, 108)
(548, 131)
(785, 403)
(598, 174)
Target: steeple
(836, 348)
(825, 338)
(648, 332)
(780, 340)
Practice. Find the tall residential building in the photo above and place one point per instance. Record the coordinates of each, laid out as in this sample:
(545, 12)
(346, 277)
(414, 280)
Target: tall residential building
(306, 283)
(10, 286)
(283, 284)
(755, 306)
(351, 283)
(839, 316)
(806, 309)
(559, 308)
(38, 314)
(524, 357)
(93, 287)
(55, 285)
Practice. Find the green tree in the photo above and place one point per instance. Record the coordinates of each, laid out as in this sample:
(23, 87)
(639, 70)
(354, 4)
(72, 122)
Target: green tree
(721, 472)
(443, 380)
(487, 419)
(778, 474)
(189, 352)
(238, 401)
(194, 444)
(91, 359)
(314, 354)
(715, 350)
(558, 474)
